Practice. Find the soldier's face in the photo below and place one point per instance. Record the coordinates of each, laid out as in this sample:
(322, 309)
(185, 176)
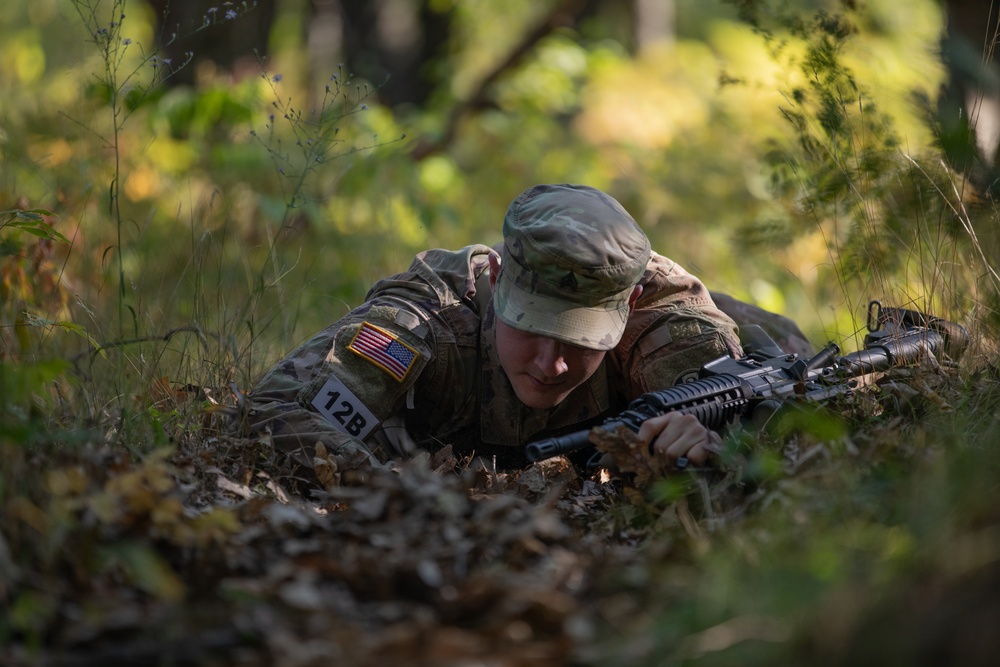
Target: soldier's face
(542, 370)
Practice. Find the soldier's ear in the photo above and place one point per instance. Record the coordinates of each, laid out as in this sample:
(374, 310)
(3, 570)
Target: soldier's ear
(636, 293)
(494, 269)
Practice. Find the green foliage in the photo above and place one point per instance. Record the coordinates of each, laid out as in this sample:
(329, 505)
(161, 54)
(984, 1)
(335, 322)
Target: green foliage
(853, 556)
(31, 222)
(22, 404)
(887, 214)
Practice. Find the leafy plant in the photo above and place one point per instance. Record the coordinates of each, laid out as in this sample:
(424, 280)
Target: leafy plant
(130, 74)
(32, 222)
(893, 223)
(29, 283)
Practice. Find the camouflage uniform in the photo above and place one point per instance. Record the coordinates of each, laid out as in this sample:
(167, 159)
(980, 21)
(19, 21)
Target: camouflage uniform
(415, 366)
(782, 330)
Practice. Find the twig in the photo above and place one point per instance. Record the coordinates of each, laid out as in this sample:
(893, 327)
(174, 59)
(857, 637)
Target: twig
(145, 339)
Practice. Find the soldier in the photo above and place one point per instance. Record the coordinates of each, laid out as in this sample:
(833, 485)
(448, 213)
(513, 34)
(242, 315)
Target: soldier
(487, 349)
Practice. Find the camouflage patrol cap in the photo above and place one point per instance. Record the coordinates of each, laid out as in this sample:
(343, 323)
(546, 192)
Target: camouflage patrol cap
(571, 258)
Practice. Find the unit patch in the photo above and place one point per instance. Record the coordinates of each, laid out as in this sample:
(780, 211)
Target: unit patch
(384, 350)
(343, 409)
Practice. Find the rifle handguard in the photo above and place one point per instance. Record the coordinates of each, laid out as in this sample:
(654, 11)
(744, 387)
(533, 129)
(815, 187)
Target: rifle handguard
(714, 400)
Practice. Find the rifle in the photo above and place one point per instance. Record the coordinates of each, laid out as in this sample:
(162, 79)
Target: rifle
(754, 386)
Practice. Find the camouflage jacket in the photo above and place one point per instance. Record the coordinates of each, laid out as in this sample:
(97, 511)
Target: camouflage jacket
(415, 366)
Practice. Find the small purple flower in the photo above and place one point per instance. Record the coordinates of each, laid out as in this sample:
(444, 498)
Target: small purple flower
(276, 78)
(212, 10)
(230, 14)
(126, 41)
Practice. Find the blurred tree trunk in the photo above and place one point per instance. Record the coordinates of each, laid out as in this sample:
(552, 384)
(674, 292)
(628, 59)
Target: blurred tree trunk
(969, 114)
(564, 13)
(970, 106)
(391, 43)
(655, 21)
(215, 42)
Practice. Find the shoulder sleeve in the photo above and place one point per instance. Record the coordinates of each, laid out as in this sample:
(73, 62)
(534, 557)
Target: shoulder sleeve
(349, 385)
(785, 332)
(342, 384)
(674, 330)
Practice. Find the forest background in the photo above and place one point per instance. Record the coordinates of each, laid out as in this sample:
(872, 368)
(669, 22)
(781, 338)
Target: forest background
(190, 189)
(210, 175)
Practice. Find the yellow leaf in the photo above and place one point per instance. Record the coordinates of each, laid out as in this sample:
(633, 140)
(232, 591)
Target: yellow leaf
(66, 481)
(326, 468)
(28, 512)
(215, 525)
(147, 570)
(167, 511)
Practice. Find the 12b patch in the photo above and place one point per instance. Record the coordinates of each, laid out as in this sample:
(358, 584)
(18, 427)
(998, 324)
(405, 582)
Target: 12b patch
(384, 350)
(343, 409)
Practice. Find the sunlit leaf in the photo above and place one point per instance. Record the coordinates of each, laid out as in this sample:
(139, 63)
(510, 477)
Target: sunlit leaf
(145, 568)
(32, 319)
(33, 223)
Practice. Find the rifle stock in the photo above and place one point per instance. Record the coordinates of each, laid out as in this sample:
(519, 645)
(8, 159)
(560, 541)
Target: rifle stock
(735, 388)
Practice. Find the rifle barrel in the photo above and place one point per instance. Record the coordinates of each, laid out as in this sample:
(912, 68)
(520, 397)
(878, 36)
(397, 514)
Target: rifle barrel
(564, 444)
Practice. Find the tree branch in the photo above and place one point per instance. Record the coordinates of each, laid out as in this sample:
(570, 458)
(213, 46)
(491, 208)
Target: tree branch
(563, 14)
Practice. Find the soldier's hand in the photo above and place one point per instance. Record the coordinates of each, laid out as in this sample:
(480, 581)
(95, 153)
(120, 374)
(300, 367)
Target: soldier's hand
(676, 435)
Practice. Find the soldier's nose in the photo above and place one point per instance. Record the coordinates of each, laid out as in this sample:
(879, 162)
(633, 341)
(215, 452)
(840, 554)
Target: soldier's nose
(550, 358)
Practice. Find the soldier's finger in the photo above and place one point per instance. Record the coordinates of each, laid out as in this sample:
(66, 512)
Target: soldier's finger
(678, 437)
(698, 455)
(669, 426)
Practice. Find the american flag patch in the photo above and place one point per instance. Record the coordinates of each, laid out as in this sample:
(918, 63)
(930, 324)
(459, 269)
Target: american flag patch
(384, 350)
